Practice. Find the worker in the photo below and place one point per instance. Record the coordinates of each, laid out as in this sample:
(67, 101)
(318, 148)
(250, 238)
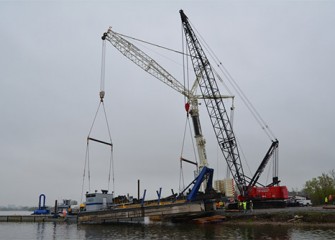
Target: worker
(330, 199)
(326, 200)
(251, 205)
(245, 206)
(69, 210)
(240, 205)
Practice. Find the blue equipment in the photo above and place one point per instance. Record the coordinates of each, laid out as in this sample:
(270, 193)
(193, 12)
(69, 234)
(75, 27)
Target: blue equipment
(42, 209)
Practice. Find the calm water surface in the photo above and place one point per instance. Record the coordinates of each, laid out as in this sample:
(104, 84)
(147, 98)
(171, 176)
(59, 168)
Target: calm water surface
(159, 231)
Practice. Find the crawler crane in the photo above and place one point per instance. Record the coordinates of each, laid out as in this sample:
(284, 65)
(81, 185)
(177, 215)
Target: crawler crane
(249, 188)
(264, 196)
(149, 65)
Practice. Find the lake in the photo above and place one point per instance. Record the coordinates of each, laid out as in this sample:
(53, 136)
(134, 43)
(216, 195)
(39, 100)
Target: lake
(161, 231)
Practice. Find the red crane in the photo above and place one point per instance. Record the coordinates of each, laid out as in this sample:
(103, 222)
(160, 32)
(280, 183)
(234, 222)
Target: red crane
(273, 194)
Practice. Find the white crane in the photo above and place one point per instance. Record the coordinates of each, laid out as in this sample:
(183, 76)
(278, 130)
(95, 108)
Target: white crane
(149, 65)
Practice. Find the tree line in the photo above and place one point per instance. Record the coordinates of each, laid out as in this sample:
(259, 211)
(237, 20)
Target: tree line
(15, 208)
(318, 188)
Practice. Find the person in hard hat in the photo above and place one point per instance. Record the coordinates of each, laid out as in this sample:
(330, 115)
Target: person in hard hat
(240, 205)
(251, 206)
(245, 206)
(330, 199)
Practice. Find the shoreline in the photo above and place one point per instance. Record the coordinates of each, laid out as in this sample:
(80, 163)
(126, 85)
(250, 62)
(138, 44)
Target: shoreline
(299, 216)
(290, 224)
(278, 224)
(289, 216)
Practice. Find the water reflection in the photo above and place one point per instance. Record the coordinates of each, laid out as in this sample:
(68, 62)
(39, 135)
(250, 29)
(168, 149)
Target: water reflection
(44, 231)
(313, 233)
(187, 231)
(217, 231)
(264, 232)
(40, 230)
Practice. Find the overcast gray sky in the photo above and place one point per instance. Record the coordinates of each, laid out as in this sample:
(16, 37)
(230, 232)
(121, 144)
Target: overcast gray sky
(281, 53)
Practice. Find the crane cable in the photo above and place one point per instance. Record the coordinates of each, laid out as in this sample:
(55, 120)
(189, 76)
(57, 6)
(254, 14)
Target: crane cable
(181, 174)
(152, 44)
(258, 118)
(101, 103)
(186, 84)
(181, 179)
(239, 91)
(256, 115)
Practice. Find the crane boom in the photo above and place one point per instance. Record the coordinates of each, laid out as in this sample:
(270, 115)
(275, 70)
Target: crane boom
(205, 80)
(142, 60)
(149, 65)
(270, 195)
(215, 107)
(272, 149)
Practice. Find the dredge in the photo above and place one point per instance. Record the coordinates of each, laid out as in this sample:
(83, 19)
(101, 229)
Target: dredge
(191, 202)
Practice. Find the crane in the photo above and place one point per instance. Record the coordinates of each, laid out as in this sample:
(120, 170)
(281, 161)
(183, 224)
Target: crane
(149, 65)
(221, 123)
(222, 126)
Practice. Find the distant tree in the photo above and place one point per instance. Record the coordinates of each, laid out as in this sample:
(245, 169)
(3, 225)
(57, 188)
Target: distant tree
(320, 187)
(332, 174)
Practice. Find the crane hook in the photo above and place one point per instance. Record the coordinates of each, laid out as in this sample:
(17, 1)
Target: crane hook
(102, 95)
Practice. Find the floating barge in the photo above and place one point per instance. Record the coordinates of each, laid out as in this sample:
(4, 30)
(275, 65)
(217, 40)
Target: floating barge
(33, 218)
(104, 208)
(135, 213)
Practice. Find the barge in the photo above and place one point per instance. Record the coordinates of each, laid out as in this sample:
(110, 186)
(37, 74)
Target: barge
(136, 213)
(103, 208)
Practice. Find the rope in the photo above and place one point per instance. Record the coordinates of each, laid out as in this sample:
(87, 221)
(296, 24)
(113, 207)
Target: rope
(111, 166)
(87, 155)
(103, 60)
(225, 72)
(239, 91)
(181, 175)
(267, 176)
(83, 183)
(193, 144)
(243, 156)
(181, 178)
(184, 74)
(111, 161)
(89, 169)
(276, 163)
(153, 44)
(248, 103)
(95, 117)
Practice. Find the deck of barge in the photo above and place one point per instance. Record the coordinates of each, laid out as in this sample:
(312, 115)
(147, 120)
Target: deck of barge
(36, 218)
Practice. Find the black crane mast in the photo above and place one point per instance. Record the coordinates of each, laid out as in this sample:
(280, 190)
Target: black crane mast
(215, 106)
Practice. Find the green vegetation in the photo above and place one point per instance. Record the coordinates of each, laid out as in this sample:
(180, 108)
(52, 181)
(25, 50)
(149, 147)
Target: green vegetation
(15, 208)
(320, 187)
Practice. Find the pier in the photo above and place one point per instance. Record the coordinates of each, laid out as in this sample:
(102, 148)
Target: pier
(290, 215)
(35, 218)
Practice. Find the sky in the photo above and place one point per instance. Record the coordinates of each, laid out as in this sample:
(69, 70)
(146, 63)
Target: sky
(281, 53)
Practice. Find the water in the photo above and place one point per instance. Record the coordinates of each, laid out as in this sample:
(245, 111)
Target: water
(160, 231)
